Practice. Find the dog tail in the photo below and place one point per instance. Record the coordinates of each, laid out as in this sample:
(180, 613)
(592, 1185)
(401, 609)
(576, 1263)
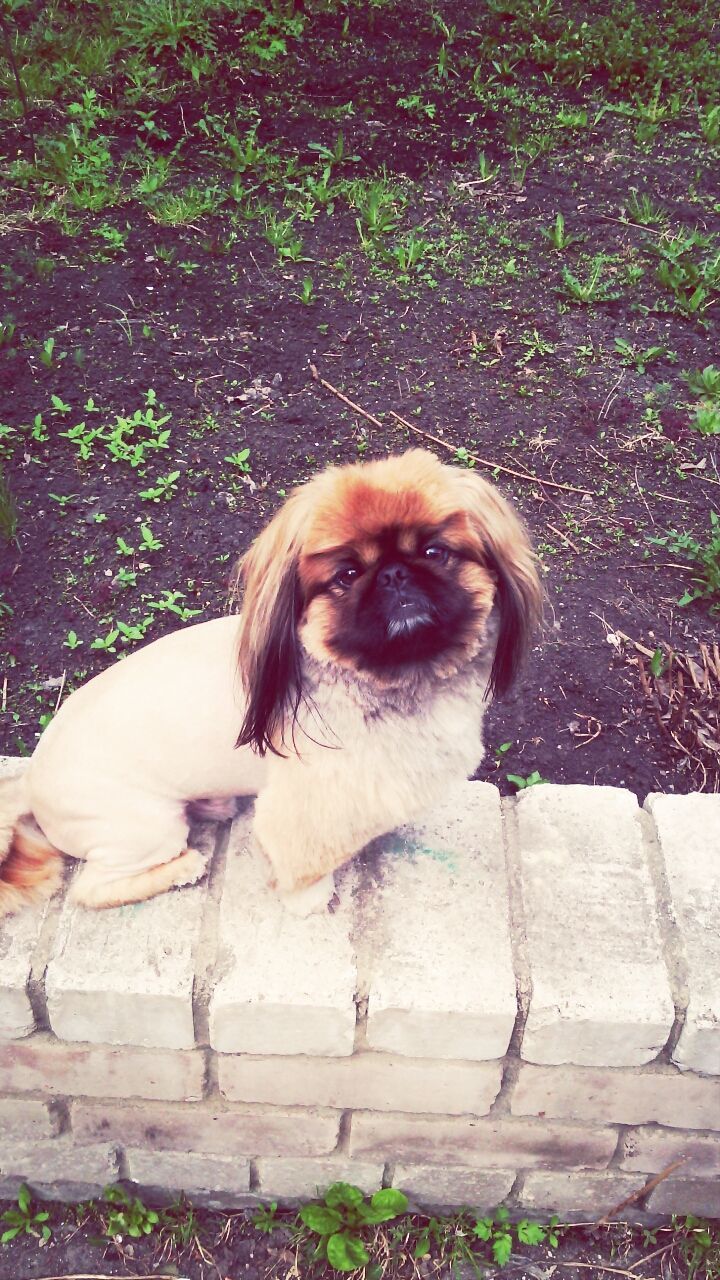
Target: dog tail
(30, 866)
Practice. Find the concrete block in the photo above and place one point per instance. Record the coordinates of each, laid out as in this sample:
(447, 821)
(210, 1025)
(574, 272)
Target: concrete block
(207, 1129)
(25, 1120)
(652, 1150)
(288, 1179)
(366, 1081)
(688, 830)
(216, 1182)
(615, 1096)
(686, 1195)
(484, 1143)
(19, 936)
(558, 1191)
(43, 1064)
(60, 1161)
(125, 975)
(286, 985)
(443, 1187)
(63, 1190)
(600, 989)
(436, 935)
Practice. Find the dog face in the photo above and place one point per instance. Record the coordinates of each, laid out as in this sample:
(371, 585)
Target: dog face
(389, 570)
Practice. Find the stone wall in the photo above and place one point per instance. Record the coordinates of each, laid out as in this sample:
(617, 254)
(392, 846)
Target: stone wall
(517, 1001)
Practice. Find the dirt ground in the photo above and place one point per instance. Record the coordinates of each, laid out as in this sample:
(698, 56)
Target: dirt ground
(478, 344)
(231, 1247)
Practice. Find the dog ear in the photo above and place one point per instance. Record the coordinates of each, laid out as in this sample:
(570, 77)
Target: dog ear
(269, 659)
(504, 546)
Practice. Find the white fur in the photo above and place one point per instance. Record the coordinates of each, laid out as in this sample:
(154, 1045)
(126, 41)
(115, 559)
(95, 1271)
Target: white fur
(112, 773)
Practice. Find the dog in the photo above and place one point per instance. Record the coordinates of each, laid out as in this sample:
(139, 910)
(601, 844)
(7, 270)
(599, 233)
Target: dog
(383, 606)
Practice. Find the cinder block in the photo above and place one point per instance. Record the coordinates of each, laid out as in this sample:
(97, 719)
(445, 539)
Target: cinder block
(286, 985)
(25, 1120)
(616, 1096)
(217, 1182)
(485, 1143)
(125, 975)
(688, 830)
(574, 1193)
(651, 1150)
(61, 1161)
(207, 1129)
(436, 934)
(686, 1195)
(287, 1179)
(46, 1065)
(600, 989)
(366, 1081)
(444, 1187)
(19, 936)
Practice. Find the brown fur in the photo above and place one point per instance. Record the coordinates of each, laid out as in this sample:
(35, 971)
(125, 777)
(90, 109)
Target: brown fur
(31, 870)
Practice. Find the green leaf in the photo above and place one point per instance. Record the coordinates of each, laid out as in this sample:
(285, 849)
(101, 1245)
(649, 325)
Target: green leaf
(657, 662)
(343, 1194)
(502, 1248)
(422, 1248)
(319, 1219)
(390, 1201)
(345, 1252)
(530, 1232)
(24, 1198)
(483, 1228)
(10, 1234)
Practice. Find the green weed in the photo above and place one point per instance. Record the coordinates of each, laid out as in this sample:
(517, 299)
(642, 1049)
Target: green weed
(25, 1220)
(337, 1224)
(704, 556)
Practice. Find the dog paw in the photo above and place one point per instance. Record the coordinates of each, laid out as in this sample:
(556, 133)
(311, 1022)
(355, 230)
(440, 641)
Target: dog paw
(191, 867)
(312, 900)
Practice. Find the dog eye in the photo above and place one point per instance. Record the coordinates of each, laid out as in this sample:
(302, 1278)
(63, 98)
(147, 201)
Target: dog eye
(345, 577)
(437, 553)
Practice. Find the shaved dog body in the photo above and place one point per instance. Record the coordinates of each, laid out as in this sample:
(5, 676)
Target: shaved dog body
(382, 607)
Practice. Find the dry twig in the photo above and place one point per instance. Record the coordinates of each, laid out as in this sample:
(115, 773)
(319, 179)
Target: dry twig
(527, 476)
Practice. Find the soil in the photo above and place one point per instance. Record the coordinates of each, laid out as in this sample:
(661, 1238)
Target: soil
(230, 1247)
(479, 346)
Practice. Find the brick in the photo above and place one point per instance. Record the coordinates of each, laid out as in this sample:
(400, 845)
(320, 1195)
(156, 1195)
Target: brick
(444, 1187)
(286, 985)
(436, 934)
(688, 830)
(287, 1179)
(45, 1065)
(571, 1193)
(500, 1143)
(217, 1182)
(600, 990)
(19, 935)
(25, 1119)
(204, 1128)
(616, 1096)
(652, 1150)
(125, 975)
(686, 1195)
(366, 1081)
(61, 1161)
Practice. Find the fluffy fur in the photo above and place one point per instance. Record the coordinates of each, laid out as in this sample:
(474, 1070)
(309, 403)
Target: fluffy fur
(383, 606)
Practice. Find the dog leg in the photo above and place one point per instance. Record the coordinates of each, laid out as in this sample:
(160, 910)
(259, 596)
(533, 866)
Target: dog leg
(92, 888)
(312, 900)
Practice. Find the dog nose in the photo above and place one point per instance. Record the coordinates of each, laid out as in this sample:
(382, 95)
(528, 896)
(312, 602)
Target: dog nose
(394, 576)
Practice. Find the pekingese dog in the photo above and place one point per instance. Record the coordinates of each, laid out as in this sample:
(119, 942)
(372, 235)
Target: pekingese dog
(382, 607)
